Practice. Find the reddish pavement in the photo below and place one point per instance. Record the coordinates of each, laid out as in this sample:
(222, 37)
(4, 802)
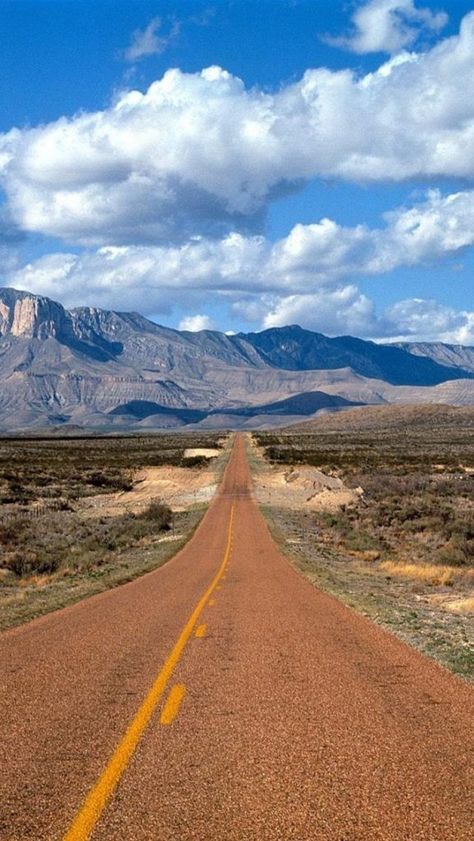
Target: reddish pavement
(298, 719)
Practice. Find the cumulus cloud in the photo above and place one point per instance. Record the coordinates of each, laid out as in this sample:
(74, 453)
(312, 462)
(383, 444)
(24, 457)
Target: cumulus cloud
(342, 310)
(302, 278)
(389, 26)
(312, 256)
(346, 311)
(201, 155)
(167, 190)
(428, 320)
(195, 323)
(151, 40)
(125, 280)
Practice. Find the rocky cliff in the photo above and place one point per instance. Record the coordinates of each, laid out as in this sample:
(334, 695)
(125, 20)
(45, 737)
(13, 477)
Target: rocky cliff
(33, 316)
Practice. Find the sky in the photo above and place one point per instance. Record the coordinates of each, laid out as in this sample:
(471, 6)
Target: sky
(239, 165)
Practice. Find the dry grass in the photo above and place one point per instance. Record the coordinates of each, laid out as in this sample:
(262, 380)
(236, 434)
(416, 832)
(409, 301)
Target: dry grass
(433, 574)
(33, 596)
(418, 500)
(463, 607)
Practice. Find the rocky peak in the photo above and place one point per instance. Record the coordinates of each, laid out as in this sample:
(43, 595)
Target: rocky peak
(32, 316)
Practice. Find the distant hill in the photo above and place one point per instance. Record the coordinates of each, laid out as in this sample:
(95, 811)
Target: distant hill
(98, 369)
(307, 403)
(371, 418)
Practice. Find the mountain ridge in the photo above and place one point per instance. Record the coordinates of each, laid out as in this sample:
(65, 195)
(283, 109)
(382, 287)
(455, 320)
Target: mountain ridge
(80, 366)
(444, 354)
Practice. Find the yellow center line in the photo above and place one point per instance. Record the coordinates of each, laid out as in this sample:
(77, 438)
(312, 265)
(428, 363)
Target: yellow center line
(173, 703)
(99, 795)
(201, 630)
(212, 603)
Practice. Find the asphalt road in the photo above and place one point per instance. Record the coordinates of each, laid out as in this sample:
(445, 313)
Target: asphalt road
(223, 697)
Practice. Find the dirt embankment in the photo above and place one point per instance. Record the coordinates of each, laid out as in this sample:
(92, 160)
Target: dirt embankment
(301, 487)
(178, 487)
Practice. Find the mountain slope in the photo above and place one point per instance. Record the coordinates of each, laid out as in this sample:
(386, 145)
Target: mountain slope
(306, 403)
(457, 356)
(295, 349)
(105, 369)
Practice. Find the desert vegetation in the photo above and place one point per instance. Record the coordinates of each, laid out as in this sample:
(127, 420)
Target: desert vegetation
(51, 536)
(418, 489)
(408, 540)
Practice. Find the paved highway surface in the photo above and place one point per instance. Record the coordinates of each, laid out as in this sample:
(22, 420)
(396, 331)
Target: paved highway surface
(222, 697)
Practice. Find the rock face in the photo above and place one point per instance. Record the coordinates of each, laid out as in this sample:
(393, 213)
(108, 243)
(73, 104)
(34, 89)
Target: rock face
(106, 370)
(32, 316)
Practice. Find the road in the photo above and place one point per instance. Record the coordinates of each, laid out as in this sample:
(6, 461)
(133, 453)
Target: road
(223, 697)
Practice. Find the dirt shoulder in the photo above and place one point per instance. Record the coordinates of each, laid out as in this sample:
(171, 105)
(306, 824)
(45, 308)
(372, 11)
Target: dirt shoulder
(428, 606)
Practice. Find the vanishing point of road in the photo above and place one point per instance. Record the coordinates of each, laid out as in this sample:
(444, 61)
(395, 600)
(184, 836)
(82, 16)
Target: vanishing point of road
(223, 697)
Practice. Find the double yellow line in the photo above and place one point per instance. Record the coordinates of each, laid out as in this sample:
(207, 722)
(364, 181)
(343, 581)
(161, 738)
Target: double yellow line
(98, 797)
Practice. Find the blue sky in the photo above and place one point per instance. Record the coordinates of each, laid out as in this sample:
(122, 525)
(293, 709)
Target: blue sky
(200, 201)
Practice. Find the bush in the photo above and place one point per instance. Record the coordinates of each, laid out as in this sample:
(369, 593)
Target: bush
(195, 461)
(27, 563)
(19, 564)
(160, 513)
(110, 481)
(452, 554)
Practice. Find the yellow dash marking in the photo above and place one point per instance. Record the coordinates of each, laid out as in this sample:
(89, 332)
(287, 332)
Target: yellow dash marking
(212, 603)
(99, 795)
(173, 703)
(201, 630)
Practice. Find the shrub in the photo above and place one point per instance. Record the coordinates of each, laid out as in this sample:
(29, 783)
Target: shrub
(195, 461)
(160, 513)
(27, 563)
(451, 554)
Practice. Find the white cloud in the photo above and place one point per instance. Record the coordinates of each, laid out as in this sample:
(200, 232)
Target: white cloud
(199, 154)
(427, 320)
(389, 26)
(311, 257)
(342, 310)
(195, 323)
(302, 278)
(150, 41)
(346, 311)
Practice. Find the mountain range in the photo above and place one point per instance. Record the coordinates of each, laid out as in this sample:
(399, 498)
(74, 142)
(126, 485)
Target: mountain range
(107, 370)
